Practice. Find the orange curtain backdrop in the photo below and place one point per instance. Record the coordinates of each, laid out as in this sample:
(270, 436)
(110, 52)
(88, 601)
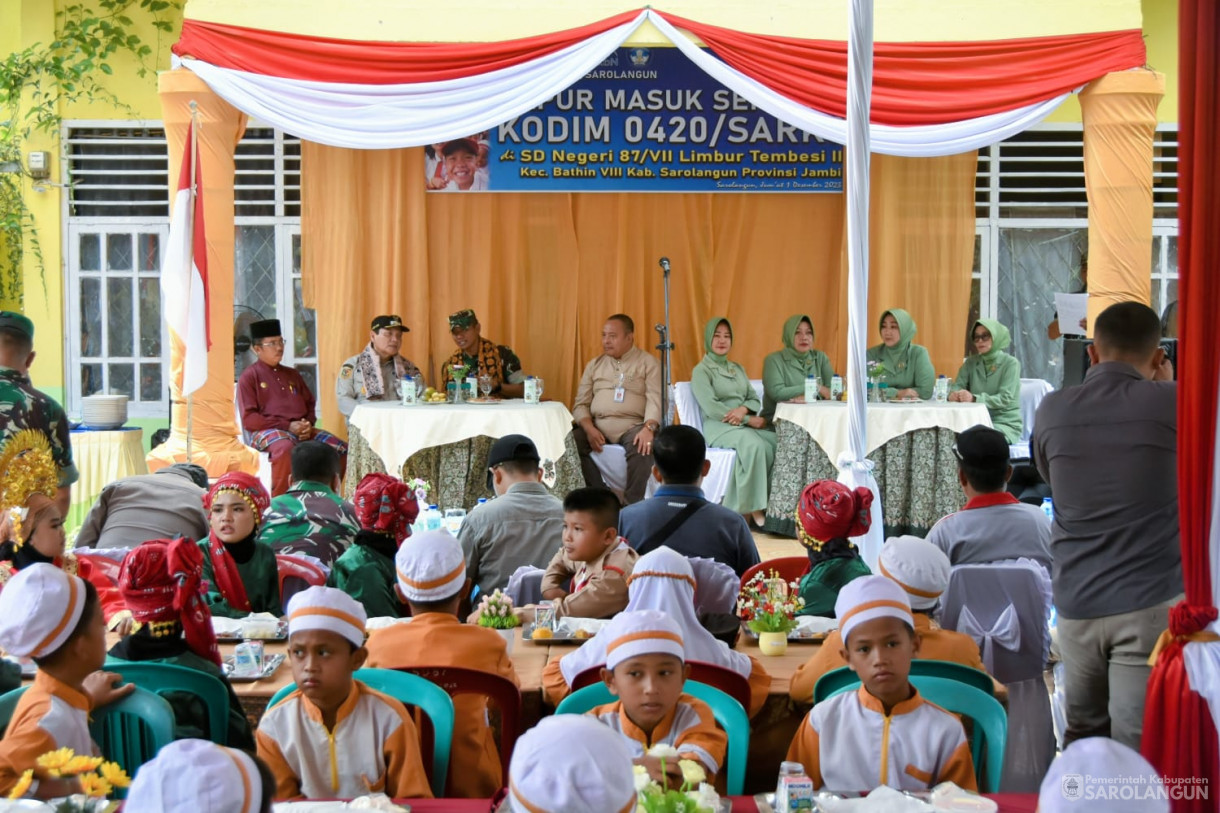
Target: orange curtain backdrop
(543, 271)
(921, 249)
(1119, 112)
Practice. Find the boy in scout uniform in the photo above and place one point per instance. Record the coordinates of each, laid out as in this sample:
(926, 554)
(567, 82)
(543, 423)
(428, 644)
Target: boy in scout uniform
(373, 374)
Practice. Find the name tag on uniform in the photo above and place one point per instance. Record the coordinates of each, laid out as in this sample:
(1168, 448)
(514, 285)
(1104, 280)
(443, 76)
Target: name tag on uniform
(620, 393)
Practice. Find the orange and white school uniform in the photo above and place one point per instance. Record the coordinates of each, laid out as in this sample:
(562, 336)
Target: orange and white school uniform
(689, 727)
(432, 567)
(849, 743)
(39, 609)
(599, 588)
(374, 747)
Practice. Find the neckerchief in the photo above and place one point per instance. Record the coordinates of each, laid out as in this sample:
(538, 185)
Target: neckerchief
(487, 363)
(368, 364)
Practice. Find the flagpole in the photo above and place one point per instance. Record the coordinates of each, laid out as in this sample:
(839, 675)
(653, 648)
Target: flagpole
(190, 398)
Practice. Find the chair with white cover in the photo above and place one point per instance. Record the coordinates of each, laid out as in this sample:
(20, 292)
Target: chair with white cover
(716, 483)
(716, 586)
(1033, 390)
(611, 461)
(1004, 607)
(525, 585)
(264, 459)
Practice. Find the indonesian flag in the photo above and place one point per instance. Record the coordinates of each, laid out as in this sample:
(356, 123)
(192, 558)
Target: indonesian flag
(184, 289)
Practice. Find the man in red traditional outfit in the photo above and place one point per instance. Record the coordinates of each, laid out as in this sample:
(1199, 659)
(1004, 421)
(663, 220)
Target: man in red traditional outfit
(277, 406)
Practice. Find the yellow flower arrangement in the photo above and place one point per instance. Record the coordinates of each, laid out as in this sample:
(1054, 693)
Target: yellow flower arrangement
(98, 778)
(23, 784)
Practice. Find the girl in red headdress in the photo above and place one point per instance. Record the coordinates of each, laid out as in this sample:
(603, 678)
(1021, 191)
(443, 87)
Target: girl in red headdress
(240, 571)
(826, 516)
(386, 507)
(161, 582)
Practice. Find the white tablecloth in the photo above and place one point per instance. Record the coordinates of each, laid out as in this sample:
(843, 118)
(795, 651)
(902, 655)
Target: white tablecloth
(826, 421)
(395, 432)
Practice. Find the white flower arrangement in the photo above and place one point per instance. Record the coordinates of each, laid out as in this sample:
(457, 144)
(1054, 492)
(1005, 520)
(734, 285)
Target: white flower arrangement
(694, 796)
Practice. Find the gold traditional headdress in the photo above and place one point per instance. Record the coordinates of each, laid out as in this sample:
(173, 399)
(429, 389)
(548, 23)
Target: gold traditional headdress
(26, 468)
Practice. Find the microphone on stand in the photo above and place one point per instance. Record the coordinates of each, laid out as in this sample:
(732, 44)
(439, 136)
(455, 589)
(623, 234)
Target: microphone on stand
(664, 263)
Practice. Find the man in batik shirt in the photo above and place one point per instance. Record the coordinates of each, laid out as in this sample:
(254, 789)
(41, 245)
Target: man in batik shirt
(23, 407)
(277, 406)
(482, 357)
(310, 518)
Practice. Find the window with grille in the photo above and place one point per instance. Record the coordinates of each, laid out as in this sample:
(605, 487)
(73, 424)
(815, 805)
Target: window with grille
(117, 212)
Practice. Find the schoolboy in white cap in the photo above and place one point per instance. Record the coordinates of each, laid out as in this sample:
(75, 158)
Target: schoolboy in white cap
(202, 777)
(884, 733)
(432, 580)
(646, 669)
(922, 570)
(571, 762)
(56, 620)
(1101, 775)
(334, 737)
(662, 580)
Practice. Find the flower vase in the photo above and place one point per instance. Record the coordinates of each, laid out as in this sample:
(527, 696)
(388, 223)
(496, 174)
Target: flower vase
(874, 389)
(510, 638)
(773, 643)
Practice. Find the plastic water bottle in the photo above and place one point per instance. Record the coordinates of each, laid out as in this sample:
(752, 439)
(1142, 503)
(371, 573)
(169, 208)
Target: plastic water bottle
(794, 791)
(434, 520)
(531, 390)
(940, 392)
(1048, 508)
(836, 387)
(482, 501)
(812, 385)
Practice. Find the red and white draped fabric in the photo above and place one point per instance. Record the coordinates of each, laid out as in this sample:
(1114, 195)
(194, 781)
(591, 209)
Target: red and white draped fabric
(1179, 732)
(184, 284)
(928, 99)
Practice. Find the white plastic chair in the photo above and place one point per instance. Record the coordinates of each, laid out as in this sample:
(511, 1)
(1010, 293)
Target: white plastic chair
(1033, 390)
(1004, 607)
(716, 483)
(264, 459)
(611, 461)
(716, 586)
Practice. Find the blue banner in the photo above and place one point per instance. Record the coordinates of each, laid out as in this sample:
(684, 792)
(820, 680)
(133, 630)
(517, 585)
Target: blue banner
(645, 120)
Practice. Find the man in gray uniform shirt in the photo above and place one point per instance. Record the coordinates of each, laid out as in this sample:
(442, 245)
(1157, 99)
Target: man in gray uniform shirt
(163, 505)
(1108, 448)
(994, 525)
(522, 526)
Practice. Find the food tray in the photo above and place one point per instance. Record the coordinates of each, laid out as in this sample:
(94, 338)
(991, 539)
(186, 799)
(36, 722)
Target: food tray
(270, 664)
(281, 635)
(809, 630)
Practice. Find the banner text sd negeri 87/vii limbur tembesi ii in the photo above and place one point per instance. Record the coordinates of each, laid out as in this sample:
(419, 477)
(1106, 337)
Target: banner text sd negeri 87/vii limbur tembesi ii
(646, 120)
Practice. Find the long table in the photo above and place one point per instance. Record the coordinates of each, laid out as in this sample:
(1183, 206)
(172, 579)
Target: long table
(910, 445)
(1008, 803)
(447, 445)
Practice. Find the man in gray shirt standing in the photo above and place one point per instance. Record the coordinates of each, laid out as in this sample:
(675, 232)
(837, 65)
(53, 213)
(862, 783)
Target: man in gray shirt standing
(1108, 448)
(522, 526)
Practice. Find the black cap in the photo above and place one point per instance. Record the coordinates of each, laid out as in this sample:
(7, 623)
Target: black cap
(18, 322)
(266, 329)
(508, 448)
(388, 320)
(981, 447)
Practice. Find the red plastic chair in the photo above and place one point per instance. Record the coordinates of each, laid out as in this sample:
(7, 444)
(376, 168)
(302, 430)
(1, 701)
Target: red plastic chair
(503, 694)
(789, 568)
(726, 680)
(296, 574)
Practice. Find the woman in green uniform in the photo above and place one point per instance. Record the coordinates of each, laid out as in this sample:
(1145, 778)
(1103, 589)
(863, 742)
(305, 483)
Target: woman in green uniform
(908, 367)
(993, 378)
(785, 371)
(730, 408)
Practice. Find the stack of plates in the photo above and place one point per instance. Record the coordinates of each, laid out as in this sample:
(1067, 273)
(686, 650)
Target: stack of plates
(104, 411)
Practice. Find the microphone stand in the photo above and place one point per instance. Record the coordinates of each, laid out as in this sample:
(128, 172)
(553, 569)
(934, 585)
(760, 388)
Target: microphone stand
(665, 346)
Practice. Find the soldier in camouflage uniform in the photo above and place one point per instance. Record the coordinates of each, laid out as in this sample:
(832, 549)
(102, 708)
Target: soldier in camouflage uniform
(310, 518)
(23, 407)
(482, 357)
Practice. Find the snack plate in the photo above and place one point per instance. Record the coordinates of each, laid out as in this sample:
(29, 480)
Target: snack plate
(270, 664)
(564, 638)
(483, 401)
(795, 636)
(281, 634)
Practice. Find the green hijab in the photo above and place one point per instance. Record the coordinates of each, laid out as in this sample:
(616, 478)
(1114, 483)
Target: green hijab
(709, 330)
(891, 357)
(1000, 339)
(789, 352)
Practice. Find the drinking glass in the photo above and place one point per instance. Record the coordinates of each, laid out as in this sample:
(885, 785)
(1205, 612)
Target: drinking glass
(485, 384)
(538, 382)
(418, 379)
